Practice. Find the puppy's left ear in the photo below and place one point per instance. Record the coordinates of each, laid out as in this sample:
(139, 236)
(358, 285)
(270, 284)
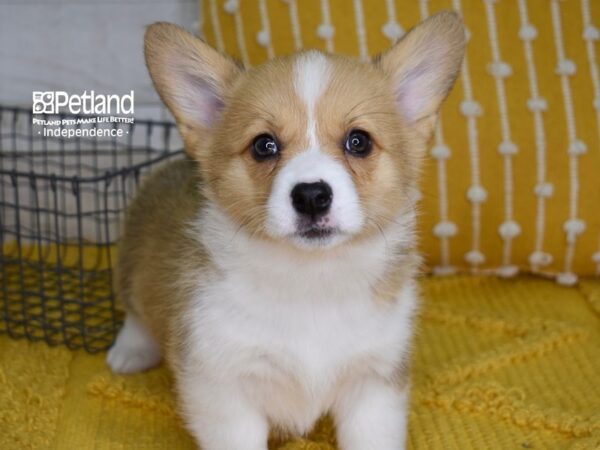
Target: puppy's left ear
(423, 66)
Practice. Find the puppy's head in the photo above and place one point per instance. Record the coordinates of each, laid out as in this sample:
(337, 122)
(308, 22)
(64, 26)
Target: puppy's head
(312, 149)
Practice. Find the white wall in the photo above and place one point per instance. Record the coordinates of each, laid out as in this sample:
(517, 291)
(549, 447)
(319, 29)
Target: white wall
(74, 45)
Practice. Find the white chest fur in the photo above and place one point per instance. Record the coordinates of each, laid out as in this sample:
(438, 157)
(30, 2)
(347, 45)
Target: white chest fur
(292, 329)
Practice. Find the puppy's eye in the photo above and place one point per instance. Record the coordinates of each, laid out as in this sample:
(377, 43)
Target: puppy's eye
(264, 147)
(358, 143)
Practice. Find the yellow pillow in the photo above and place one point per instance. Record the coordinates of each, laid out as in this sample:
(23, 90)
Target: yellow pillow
(513, 181)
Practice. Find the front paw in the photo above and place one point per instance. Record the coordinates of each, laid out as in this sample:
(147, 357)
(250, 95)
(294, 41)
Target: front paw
(134, 349)
(220, 416)
(372, 415)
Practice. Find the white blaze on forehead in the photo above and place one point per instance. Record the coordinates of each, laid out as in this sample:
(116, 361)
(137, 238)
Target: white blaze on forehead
(311, 77)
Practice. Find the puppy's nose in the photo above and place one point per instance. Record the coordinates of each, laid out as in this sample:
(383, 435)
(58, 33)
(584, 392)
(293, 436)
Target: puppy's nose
(312, 199)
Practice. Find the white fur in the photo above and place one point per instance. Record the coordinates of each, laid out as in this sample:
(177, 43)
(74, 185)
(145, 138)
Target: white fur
(278, 339)
(311, 77)
(134, 349)
(370, 416)
(307, 167)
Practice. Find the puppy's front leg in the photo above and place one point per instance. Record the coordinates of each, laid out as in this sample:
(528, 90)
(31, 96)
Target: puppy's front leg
(371, 414)
(220, 417)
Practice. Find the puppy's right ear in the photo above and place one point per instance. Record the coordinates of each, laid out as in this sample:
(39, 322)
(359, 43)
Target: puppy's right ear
(189, 75)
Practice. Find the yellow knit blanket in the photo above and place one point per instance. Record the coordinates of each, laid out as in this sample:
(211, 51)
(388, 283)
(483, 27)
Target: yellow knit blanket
(498, 364)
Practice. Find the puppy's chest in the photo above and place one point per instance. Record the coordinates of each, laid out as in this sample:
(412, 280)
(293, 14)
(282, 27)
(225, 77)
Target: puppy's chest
(310, 331)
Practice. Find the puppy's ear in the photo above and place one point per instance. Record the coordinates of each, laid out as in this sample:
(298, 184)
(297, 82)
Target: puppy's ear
(423, 67)
(190, 76)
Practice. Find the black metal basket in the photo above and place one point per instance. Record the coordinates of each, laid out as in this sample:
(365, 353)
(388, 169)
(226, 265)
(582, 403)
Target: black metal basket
(61, 205)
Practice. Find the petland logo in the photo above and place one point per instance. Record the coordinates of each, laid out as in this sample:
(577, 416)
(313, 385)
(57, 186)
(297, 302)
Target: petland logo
(56, 102)
(87, 115)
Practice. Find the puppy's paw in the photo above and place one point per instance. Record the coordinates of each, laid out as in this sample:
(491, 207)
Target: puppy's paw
(130, 359)
(134, 350)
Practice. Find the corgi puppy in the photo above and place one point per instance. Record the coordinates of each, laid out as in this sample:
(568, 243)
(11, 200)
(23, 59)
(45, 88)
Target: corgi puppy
(274, 268)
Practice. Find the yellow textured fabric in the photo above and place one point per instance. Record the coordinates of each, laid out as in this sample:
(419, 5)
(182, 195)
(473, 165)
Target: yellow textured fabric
(498, 364)
(558, 39)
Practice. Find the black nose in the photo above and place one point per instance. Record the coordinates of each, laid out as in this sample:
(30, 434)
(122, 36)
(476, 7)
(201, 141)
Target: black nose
(312, 198)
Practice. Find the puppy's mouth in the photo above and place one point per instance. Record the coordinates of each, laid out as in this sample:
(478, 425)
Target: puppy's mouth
(315, 233)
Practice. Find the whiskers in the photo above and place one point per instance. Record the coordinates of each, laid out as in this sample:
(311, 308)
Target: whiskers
(380, 228)
(251, 217)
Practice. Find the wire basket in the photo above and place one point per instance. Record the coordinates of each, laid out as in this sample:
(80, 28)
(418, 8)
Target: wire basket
(62, 201)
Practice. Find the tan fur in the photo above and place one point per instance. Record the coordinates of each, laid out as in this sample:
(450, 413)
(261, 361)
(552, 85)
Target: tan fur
(157, 255)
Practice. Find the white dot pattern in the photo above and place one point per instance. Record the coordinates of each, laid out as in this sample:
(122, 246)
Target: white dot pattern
(444, 229)
(565, 69)
(543, 190)
(591, 35)
(325, 30)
